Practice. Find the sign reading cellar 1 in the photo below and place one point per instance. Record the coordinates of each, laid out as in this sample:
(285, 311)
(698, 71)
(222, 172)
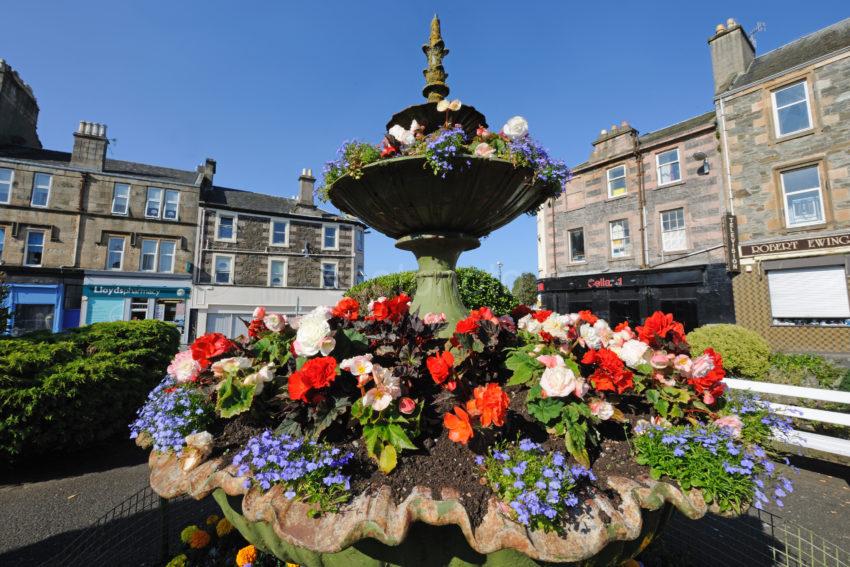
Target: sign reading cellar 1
(122, 302)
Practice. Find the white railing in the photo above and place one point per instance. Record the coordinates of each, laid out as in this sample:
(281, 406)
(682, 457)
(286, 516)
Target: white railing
(804, 438)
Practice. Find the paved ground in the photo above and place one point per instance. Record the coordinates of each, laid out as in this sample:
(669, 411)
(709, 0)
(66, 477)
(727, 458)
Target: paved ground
(44, 508)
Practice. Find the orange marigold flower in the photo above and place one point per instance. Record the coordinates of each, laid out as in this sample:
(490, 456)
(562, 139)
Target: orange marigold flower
(491, 403)
(246, 555)
(199, 539)
(460, 430)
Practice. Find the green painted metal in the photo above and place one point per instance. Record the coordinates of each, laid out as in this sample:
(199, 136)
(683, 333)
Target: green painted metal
(425, 545)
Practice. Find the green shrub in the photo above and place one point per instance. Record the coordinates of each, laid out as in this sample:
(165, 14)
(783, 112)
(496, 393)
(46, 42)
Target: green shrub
(525, 288)
(745, 353)
(477, 289)
(66, 391)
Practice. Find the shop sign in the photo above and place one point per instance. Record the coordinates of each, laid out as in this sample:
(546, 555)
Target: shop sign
(730, 242)
(797, 245)
(135, 291)
(605, 282)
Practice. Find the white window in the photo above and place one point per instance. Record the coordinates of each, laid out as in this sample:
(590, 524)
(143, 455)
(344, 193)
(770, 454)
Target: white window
(41, 189)
(668, 167)
(120, 199)
(149, 251)
(791, 110)
(222, 268)
(34, 250)
(802, 195)
(277, 272)
(115, 253)
(172, 205)
(7, 177)
(329, 275)
(576, 245)
(279, 233)
(361, 274)
(153, 207)
(360, 239)
(673, 230)
(2, 239)
(225, 227)
(166, 256)
(617, 181)
(330, 237)
(621, 242)
(809, 293)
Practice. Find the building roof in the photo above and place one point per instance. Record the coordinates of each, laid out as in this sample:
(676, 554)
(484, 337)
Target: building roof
(52, 158)
(262, 204)
(666, 133)
(808, 48)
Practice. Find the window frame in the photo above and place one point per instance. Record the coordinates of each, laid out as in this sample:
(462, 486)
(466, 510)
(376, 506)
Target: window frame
(272, 221)
(142, 255)
(683, 229)
(784, 195)
(232, 258)
(570, 245)
(165, 194)
(627, 249)
(359, 240)
(285, 261)
(658, 165)
(159, 255)
(34, 187)
(777, 124)
(109, 252)
(335, 264)
(160, 207)
(335, 226)
(27, 247)
(218, 216)
(624, 177)
(11, 186)
(115, 187)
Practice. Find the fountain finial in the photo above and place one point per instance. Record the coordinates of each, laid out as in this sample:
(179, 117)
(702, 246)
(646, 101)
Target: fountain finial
(436, 88)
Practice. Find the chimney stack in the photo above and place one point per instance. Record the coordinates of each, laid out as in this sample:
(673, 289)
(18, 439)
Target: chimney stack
(306, 183)
(18, 110)
(207, 171)
(731, 54)
(89, 146)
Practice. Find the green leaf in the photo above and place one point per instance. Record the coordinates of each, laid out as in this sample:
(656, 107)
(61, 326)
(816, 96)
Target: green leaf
(652, 396)
(575, 442)
(299, 362)
(388, 459)
(662, 407)
(644, 368)
(399, 438)
(655, 474)
(545, 410)
(372, 438)
(676, 411)
(357, 338)
(233, 398)
(524, 368)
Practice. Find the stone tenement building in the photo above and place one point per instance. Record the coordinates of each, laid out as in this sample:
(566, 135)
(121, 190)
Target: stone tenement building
(285, 254)
(639, 228)
(85, 239)
(784, 121)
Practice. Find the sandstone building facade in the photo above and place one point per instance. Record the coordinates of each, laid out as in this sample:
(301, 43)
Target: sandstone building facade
(784, 121)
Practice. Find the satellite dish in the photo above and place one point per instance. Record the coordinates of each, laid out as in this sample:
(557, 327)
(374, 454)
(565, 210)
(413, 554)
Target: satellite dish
(699, 156)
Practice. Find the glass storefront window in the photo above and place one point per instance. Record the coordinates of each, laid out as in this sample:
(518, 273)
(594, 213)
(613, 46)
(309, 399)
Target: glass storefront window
(32, 317)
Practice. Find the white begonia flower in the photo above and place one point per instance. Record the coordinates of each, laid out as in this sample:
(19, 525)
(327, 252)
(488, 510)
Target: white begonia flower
(455, 105)
(557, 325)
(516, 127)
(590, 336)
(387, 388)
(529, 324)
(259, 378)
(275, 322)
(558, 382)
(632, 353)
(601, 409)
(230, 365)
(358, 365)
(485, 150)
(312, 335)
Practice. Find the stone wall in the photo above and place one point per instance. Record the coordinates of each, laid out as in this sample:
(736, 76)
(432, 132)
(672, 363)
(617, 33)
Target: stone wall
(18, 110)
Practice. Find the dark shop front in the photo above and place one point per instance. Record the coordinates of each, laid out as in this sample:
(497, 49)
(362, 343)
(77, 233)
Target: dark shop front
(695, 295)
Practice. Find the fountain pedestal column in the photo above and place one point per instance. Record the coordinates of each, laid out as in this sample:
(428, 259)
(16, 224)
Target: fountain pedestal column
(436, 279)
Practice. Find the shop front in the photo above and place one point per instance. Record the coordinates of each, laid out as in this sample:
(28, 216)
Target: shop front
(42, 299)
(695, 295)
(135, 298)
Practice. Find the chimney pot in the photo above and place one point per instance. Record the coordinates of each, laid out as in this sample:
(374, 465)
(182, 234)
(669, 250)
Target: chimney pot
(90, 144)
(719, 28)
(731, 23)
(306, 183)
(624, 124)
(603, 132)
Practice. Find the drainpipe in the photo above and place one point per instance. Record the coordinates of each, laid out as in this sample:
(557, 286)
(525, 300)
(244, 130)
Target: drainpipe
(84, 183)
(727, 168)
(554, 237)
(644, 252)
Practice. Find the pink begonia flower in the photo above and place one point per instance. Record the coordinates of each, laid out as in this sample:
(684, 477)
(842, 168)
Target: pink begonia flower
(660, 421)
(731, 422)
(274, 322)
(259, 313)
(683, 364)
(184, 368)
(485, 150)
(507, 323)
(660, 359)
(230, 365)
(434, 318)
(260, 378)
(663, 378)
(387, 388)
(702, 365)
(406, 405)
(358, 365)
(601, 409)
(551, 360)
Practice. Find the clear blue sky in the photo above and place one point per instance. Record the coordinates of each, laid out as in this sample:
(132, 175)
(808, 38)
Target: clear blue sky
(267, 88)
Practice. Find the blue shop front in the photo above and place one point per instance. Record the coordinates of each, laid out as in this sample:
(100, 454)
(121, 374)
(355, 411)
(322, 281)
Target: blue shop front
(35, 307)
(135, 298)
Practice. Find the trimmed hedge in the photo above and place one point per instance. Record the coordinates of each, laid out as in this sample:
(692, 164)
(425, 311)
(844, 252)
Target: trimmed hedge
(745, 353)
(477, 289)
(67, 391)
